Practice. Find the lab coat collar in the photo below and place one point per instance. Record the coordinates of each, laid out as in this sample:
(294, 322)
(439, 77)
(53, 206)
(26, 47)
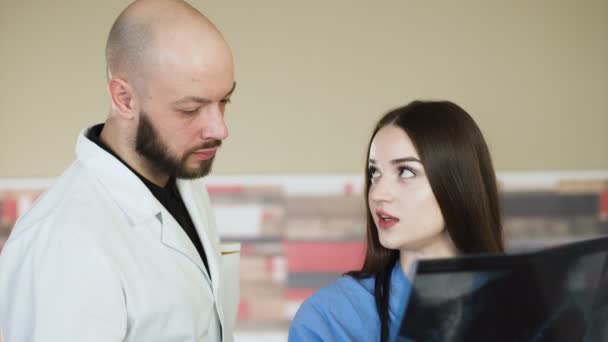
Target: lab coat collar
(131, 194)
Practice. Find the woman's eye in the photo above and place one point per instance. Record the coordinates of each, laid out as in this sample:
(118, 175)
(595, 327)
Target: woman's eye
(372, 173)
(404, 172)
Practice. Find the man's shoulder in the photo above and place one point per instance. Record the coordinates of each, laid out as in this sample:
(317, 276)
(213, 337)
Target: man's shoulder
(72, 197)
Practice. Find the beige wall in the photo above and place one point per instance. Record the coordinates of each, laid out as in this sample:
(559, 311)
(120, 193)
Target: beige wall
(313, 76)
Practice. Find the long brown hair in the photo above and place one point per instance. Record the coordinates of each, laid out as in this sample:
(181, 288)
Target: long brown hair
(460, 172)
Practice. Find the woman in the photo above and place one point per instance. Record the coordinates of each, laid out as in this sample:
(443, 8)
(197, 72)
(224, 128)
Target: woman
(431, 193)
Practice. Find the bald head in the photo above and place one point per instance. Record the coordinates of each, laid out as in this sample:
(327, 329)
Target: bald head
(148, 28)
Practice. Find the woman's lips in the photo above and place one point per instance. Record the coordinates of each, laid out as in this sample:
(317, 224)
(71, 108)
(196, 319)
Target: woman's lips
(385, 220)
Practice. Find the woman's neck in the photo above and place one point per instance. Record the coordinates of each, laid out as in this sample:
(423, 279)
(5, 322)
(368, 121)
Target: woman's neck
(439, 247)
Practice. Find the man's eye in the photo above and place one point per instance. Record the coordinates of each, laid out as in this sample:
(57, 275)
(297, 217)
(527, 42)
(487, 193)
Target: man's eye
(225, 101)
(190, 112)
(404, 172)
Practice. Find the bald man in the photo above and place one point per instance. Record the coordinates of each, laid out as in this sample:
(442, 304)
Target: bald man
(124, 246)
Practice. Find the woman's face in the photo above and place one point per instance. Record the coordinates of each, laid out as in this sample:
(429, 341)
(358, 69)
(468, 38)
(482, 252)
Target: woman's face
(400, 198)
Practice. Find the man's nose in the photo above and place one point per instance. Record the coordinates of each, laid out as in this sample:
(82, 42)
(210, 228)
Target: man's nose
(213, 124)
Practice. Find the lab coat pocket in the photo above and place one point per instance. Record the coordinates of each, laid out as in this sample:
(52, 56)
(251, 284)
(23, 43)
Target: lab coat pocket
(230, 256)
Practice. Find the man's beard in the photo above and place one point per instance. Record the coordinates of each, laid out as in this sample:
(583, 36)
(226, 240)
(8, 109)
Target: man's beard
(150, 146)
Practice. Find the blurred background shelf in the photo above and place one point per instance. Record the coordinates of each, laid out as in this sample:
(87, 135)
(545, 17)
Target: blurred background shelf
(297, 236)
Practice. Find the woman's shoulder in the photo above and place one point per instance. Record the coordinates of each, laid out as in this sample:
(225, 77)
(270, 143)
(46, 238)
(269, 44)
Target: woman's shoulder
(352, 292)
(345, 310)
(336, 311)
(343, 291)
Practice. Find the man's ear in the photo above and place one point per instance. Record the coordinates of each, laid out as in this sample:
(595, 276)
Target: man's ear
(123, 98)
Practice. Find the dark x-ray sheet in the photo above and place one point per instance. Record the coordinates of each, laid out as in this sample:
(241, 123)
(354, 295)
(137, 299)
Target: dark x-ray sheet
(552, 295)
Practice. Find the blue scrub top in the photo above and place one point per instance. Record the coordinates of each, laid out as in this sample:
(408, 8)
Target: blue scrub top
(346, 310)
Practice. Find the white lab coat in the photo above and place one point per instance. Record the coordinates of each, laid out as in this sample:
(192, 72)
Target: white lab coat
(98, 258)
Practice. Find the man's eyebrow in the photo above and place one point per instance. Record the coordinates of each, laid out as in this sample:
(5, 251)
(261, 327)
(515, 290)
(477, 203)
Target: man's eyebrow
(201, 100)
(231, 90)
(196, 99)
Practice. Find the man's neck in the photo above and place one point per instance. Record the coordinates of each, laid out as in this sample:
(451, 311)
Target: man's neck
(125, 151)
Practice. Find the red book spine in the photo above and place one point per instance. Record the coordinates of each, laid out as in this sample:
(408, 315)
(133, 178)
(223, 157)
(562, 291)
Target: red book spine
(334, 257)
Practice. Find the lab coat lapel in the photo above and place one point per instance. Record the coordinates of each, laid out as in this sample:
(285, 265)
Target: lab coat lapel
(196, 201)
(174, 236)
